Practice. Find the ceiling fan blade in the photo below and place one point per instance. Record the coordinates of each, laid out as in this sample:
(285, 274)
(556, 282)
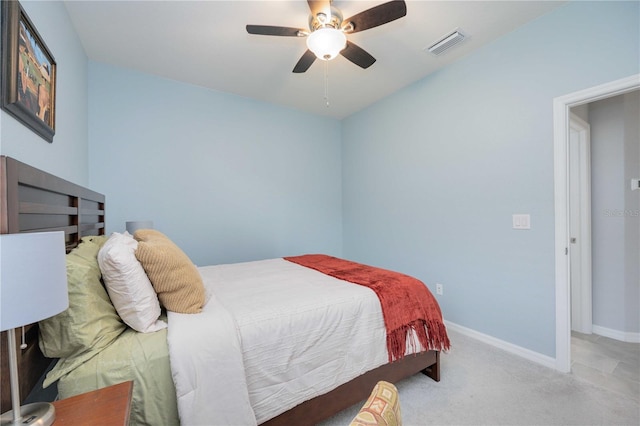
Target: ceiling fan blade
(357, 55)
(305, 62)
(273, 31)
(318, 6)
(377, 15)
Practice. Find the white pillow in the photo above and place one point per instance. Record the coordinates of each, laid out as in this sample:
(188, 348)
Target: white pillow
(128, 286)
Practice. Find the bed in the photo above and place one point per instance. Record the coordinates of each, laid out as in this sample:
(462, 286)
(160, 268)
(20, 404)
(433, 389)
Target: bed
(33, 200)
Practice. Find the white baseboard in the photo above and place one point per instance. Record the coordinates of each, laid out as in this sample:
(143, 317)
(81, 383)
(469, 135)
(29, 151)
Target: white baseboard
(623, 336)
(528, 354)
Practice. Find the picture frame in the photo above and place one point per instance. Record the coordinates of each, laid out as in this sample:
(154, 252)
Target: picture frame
(28, 74)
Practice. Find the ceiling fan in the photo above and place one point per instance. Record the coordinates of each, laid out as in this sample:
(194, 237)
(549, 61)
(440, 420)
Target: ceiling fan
(327, 34)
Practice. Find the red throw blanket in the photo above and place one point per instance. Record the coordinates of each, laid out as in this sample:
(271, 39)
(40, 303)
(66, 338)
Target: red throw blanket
(407, 304)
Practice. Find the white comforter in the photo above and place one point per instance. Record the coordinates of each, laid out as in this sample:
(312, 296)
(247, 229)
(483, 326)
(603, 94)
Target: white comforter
(272, 334)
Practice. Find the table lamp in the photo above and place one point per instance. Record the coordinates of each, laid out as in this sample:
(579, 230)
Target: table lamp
(133, 226)
(33, 286)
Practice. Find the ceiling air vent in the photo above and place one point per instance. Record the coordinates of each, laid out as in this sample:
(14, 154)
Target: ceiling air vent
(446, 42)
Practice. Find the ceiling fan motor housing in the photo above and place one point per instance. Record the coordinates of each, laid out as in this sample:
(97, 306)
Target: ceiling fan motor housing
(329, 18)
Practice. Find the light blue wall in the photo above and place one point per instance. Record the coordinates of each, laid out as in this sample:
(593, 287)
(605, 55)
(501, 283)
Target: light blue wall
(433, 173)
(429, 176)
(227, 178)
(67, 155)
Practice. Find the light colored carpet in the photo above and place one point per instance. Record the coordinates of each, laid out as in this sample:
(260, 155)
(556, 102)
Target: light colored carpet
(483, 385)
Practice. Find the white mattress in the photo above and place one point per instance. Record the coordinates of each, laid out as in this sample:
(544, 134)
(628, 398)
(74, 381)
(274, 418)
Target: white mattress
(273, 334)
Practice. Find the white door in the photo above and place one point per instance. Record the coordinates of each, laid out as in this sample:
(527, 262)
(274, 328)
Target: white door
(580, 224)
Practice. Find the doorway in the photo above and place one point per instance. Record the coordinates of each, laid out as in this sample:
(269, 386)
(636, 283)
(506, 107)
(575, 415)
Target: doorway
(561, 119)
(580, 224)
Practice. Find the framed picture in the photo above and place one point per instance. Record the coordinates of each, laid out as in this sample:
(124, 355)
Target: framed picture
(28, 72)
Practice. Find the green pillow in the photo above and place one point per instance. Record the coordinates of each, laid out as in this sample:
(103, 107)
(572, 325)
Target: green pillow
(91, 322)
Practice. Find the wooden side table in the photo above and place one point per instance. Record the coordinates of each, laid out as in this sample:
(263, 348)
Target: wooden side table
(106, 406)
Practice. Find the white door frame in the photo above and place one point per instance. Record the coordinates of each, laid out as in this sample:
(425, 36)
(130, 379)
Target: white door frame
(561, 107)
(580, 225)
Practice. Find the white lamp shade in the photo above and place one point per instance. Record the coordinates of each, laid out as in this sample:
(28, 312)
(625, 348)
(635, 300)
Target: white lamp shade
(326, 43)
(133, 226)
(33, 278)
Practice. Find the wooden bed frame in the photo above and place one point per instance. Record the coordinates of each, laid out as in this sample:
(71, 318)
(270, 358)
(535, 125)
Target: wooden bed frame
(324, 406)
(35, 201)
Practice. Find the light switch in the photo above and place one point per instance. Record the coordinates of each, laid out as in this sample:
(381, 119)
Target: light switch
(521, 221)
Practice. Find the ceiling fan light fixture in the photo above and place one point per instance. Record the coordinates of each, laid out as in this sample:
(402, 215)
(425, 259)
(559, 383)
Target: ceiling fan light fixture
(326, 43)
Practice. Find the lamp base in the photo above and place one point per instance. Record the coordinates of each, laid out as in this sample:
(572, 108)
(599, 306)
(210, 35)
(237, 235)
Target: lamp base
(36, 414)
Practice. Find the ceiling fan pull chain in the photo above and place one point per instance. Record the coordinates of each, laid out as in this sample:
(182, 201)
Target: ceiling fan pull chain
(326, 82)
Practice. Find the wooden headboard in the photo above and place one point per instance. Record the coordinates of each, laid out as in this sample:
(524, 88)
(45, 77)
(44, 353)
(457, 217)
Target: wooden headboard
(35, 201)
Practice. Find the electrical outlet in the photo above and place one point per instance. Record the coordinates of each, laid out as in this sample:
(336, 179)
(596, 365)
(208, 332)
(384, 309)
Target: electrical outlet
(439, 289)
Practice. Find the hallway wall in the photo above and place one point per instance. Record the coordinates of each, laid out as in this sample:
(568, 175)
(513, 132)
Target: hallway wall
(615, 155)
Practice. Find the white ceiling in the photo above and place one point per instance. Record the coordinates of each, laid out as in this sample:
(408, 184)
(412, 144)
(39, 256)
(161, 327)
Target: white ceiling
(205, 43)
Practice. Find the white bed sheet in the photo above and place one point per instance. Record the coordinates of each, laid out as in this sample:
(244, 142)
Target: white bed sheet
(273, 334)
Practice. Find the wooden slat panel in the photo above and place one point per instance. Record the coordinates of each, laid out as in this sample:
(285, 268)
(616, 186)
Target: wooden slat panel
(39, 221)
(38, 208)
(67, 229)
(4, 215)
(30, 176)
(89, 212)
(43, 196)
(90, 227)
(9, 222)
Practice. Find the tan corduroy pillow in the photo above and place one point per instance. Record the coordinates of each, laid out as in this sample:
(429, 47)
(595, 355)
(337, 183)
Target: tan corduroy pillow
(174, 277)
